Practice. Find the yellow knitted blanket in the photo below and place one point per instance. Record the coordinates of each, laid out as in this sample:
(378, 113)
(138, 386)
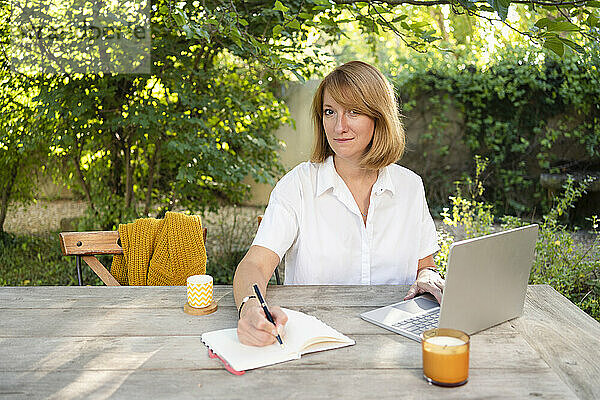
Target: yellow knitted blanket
(160, 252)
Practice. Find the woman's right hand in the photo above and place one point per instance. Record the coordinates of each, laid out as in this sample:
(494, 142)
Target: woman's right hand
(254, 329)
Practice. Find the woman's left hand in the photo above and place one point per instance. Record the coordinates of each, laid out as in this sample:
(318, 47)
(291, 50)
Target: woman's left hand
(428, 281)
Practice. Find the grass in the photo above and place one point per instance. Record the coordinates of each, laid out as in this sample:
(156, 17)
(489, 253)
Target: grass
(36, 259)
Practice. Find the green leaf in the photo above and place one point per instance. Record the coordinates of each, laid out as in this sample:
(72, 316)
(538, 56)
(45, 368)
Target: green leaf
(418, 25)
(467, 4)
(548, 34)
(277, 30)
(202, 33)
(294, 24)
(555, 44)
(243, 22)
(236, 38)
(573, 45)
(542, 23)
(178, 16)
(300, 77)
(595, 4)
(483, 7)
(592, 21)
(562, 26)
(501, 7)
(188, 31)
(280, 7)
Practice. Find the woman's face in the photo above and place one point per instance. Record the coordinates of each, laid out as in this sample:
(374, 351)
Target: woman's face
(348, 132)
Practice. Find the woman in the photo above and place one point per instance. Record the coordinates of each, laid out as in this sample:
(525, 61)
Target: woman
(350, 216)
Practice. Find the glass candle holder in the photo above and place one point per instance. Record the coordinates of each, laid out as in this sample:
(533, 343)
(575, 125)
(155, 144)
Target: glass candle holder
(445, 356)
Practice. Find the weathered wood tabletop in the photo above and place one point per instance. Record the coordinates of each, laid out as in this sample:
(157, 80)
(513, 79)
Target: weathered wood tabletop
(136, 342)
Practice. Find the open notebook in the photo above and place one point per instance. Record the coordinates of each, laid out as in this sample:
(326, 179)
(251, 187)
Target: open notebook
(303, 334)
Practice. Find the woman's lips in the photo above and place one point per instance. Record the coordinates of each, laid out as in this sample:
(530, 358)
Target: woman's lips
(344, 140)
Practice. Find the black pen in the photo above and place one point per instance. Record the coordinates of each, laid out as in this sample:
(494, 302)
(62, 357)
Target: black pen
(266, 310)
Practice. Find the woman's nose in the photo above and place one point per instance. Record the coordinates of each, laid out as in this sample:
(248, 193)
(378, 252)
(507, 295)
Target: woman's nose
(341, 123)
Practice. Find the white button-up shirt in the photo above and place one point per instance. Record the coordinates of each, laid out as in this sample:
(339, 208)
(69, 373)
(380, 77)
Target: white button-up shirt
(315, 222)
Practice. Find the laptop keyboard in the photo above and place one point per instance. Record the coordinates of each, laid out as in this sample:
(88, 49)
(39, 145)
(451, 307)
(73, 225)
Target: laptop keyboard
(419, 323)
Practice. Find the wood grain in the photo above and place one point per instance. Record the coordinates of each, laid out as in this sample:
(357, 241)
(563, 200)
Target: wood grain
(165, 296)
(94, 242)
(101, 271)
(90, 243)
(211, 308)
(136, 342)
(566, 338)
(180, 352)
(269, 383)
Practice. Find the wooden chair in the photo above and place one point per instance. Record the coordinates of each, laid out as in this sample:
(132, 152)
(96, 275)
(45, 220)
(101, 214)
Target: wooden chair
(276, 273)
(87, 245)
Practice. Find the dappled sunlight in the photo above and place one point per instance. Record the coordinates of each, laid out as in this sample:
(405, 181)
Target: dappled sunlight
(105, 362)
(103, 383)
(395, 351)
(62, 356)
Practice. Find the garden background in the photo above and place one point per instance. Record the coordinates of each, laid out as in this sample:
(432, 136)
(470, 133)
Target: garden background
(500, 101)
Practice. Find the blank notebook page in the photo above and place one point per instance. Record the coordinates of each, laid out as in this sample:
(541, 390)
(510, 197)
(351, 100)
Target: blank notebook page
(303, 334)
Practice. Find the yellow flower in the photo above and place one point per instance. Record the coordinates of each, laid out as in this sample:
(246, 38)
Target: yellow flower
(557, 243)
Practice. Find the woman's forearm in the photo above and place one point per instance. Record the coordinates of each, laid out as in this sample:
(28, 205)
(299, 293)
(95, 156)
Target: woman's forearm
(247, 275)
(256, 267)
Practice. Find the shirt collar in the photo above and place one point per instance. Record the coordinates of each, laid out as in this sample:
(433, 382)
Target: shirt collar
(384, 182)
(328, 178)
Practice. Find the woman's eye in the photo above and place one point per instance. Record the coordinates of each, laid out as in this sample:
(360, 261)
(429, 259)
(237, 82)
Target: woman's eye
(353, 112)
(328, 111)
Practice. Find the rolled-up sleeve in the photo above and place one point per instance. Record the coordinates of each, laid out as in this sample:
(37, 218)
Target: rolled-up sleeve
(279, 226)
(428, 243)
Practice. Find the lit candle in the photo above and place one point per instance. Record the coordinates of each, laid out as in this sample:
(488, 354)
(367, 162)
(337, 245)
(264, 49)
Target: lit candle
(445, 341)
(445, 357)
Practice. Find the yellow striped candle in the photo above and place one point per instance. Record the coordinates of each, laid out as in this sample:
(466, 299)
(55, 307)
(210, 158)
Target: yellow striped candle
(200, 290)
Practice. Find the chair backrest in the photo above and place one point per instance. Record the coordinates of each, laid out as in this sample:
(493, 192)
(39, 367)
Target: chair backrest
(87, 245)
(90, 243)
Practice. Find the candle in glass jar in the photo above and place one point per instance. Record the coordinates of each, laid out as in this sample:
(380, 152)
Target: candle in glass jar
(445, 356)
(445, 341)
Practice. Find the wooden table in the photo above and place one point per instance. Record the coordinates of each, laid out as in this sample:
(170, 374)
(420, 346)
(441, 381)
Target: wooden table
(136, 342)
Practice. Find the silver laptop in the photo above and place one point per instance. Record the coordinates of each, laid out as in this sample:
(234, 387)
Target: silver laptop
(486, 281)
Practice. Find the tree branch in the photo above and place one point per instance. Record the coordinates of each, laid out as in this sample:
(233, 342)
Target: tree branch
(441, 2)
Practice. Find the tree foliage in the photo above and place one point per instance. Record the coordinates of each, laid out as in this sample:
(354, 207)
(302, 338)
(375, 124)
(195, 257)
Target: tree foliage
(22, 143)
(185, 135)
(188, 133)
(286, 27)
(527, 115)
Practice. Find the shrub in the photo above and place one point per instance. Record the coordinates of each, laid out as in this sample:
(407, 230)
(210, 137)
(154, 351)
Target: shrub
(572, 269)
(36, 259)
(527, 113)
(230, 233)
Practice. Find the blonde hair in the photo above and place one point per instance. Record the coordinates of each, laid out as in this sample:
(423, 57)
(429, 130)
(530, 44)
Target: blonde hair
(359, 86)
